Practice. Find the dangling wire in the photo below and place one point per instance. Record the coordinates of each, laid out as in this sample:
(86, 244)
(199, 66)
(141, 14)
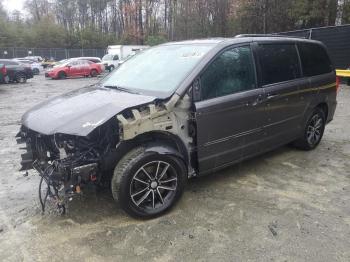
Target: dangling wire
(46, 177)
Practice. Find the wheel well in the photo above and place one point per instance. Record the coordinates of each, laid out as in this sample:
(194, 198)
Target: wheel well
(152, 138)
(164, 138)
(324, 108)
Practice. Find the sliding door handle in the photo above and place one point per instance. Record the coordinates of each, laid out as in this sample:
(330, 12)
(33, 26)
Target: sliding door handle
(272, 96)
(255, 102)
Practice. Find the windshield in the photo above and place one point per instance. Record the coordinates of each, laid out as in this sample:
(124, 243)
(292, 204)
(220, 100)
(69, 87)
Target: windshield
(157, 70)
(107, 57)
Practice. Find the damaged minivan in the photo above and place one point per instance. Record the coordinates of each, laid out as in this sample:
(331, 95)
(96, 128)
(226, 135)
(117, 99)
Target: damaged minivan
(176, 111)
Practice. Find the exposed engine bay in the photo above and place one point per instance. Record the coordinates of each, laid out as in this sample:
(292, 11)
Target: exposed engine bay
(67, 163)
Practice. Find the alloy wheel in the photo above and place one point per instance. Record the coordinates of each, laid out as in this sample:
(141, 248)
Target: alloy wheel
(153, 185)
(314, 130)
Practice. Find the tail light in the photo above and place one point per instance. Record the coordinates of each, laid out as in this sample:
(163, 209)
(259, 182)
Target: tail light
(4, 70)
(337, 83)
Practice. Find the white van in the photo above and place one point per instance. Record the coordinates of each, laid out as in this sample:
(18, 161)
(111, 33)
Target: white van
(118, 53)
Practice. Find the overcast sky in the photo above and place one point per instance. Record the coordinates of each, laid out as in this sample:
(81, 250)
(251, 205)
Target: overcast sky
(11, 5)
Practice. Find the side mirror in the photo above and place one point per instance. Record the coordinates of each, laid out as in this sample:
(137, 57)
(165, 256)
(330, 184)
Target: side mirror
(196, 90)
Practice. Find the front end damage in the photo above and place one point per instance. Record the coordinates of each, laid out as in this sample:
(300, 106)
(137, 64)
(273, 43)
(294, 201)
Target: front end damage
(66, 163)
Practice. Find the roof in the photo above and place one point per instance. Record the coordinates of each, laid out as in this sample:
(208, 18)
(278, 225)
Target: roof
(209, 41)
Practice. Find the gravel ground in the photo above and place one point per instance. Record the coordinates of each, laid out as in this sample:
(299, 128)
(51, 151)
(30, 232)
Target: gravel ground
(287, 205)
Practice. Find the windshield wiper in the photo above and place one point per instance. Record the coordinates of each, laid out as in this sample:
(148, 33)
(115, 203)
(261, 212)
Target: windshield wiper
(122, 89)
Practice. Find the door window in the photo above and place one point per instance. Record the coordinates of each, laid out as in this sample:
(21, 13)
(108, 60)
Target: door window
(279, 63)
(314, 59)
(74, 63)
(231, 72)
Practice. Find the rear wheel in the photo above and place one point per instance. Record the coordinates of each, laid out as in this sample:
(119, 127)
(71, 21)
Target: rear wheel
(62, 75)
(93, 73)
(21, 78)
(36, 71)
(313, 131)
(147, 184)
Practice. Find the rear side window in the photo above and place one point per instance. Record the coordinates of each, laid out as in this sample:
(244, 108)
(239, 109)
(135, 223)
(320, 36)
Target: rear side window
(314, 59)
(279, 63)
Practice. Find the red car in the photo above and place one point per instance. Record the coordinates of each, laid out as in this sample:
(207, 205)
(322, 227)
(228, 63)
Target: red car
(74, 68)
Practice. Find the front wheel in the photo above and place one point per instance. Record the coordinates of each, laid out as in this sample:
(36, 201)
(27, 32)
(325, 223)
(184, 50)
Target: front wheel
(61, 75)
(313, 131)
(147, 184)
(21, 78)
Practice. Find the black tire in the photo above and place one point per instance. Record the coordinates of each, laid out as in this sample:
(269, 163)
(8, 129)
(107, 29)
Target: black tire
(62, 75)
(93, 73)
(111, 68)
(163, 192)
(313, 131)
(36, 71)
(21, 78)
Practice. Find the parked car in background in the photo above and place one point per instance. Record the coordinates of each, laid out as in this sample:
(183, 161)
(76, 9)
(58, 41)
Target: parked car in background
(17, 71)
(117, 53)
(35, 66)
(4, 78)
(35, 58)
(74, 68)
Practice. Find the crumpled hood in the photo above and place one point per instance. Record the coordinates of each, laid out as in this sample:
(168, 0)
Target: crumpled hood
(81, 111)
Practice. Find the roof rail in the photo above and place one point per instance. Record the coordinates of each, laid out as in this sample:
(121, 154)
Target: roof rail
(267, 35)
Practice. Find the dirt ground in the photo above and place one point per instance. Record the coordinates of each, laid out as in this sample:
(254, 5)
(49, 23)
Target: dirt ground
(287, 205)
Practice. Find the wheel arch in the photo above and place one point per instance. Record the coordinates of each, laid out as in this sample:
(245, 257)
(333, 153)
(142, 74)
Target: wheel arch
(324, 107)
(60, 72)
(160, 142)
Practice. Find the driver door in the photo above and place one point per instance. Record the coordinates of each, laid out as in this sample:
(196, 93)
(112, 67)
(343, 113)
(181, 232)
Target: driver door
(73, 69)
(230, 114)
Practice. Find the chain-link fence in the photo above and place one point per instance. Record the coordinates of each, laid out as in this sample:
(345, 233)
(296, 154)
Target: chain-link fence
(54, 53)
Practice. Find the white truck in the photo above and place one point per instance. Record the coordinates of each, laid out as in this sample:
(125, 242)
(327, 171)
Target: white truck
(118, 53)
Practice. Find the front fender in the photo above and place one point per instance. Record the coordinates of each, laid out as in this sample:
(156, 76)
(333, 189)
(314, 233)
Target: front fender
(163, 149)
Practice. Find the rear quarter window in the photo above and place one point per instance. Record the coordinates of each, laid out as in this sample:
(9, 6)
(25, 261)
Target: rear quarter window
(314, 59)
(278, 62)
